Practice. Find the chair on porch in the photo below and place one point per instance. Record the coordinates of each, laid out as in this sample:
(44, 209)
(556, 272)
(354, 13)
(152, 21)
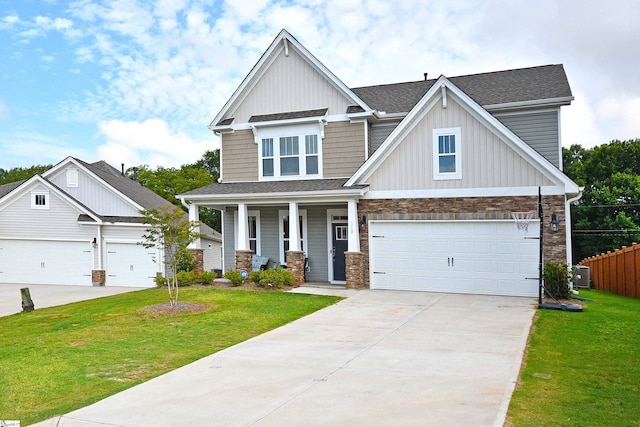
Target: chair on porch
(259, 262)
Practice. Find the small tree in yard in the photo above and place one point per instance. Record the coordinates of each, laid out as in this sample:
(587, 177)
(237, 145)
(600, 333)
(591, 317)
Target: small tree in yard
(170, 232)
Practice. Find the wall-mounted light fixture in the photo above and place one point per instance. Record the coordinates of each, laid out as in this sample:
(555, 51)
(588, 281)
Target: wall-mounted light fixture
(94, 243)
(363, 222)
(554, 222)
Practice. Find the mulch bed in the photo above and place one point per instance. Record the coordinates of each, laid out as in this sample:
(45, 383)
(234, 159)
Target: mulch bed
(181, 307)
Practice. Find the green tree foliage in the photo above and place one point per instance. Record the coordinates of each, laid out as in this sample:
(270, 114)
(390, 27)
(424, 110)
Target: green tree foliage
(168, 182)
(607, 216)
(19, 174)
(171, 232)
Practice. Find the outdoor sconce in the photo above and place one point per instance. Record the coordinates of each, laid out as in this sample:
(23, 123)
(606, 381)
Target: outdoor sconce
(94, 243)
(363, 222)
(554, 222)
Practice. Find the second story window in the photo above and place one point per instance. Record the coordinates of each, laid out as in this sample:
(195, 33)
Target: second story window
(290, 152)
(447, 154)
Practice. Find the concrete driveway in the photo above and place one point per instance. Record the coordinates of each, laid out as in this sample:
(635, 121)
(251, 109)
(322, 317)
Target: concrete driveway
(378, 358)
(52, 295)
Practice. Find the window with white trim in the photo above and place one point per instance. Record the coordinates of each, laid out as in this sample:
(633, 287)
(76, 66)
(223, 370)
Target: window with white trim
(290, 152)
(447, 154)
(39, 200)
(284, 233)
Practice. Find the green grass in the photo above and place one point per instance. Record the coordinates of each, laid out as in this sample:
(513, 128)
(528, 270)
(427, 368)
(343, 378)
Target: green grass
(58, 359)
(582, 369)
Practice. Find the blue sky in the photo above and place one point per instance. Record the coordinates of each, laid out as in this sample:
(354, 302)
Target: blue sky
(138, 81)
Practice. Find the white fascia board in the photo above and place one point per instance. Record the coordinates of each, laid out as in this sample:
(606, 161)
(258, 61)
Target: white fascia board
(276, 198)
(268, 57)
(465, 192)
(59, 166)
(426, 103)
(549, 102)
(369, 166)
(24, 187)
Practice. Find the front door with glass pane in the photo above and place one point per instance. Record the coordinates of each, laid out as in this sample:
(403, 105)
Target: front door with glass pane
(340, 242)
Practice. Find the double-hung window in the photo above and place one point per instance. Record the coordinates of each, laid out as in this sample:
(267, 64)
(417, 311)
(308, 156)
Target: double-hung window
(447, 154)
(290, 152)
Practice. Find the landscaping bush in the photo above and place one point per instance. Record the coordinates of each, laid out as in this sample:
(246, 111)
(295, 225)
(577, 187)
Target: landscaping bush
(255, 276)
(275, 278)
(205, 278)
(189, 278)
(234, 277)
(556, 279)
(185, 278)
(160, 281)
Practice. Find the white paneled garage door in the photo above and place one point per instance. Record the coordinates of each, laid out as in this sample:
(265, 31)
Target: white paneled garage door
(45, 262)
(479, 257)
(130, 264)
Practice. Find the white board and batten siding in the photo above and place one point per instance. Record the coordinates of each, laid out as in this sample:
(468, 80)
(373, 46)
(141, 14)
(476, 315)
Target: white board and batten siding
(93, 193)
(475, 257)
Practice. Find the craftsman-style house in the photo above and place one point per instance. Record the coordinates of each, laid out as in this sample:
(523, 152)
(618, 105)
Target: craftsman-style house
(398, 186)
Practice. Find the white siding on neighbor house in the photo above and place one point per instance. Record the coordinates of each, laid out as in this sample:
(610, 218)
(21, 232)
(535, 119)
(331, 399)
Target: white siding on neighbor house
(60, 221)
(538, 129)
(92, 193)
(487, 161)
(211, 254)
(294, 85)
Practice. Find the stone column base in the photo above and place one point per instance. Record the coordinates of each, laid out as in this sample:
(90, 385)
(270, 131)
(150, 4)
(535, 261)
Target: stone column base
(244, 260)
(354, 269)
(295, 266)
(98, 277)
(198, 258)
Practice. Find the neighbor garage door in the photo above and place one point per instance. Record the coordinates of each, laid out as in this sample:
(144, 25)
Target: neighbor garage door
(130, 264)
(45, 262)
(480, 257)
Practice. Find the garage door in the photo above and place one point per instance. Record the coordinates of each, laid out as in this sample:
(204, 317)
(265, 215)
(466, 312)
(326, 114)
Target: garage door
(479, 257)
(50, 262)
(130, 264)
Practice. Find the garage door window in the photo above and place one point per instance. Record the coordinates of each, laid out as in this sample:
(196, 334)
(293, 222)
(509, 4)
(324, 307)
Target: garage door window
(446, 154)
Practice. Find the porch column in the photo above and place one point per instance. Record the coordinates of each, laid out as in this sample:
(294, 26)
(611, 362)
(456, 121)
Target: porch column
(354, 226)
(353, 257)
(194, 216)
(295, 256)
(243, 251)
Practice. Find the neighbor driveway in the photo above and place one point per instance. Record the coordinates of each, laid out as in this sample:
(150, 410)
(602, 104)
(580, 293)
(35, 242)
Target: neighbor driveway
(51, 295)
(377, 358)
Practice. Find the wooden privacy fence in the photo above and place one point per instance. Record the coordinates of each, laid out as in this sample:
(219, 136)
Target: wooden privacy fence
(618, 271)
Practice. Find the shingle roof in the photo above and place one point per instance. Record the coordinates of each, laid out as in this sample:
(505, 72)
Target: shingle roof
(288, 115)
(8, 188)
(500, 87)
(130, 188)
(274, 187)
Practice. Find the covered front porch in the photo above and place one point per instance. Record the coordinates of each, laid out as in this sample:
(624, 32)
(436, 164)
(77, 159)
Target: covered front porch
(322, 246)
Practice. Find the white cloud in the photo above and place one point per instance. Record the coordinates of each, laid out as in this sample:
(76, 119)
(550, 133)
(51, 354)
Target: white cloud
(21, 149)
(149, 142)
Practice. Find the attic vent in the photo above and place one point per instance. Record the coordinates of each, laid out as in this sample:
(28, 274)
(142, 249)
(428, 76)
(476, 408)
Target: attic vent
(425, 76)
(72, 177)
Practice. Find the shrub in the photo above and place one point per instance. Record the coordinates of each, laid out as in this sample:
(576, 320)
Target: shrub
(234, 277)
(160, 281)
(184, 260)
(275, 278)
(185, 278)
(556, 279)
(255, 276)
(205, 278)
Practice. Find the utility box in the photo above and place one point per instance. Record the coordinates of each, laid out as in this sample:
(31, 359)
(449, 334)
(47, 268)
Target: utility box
(582, 277)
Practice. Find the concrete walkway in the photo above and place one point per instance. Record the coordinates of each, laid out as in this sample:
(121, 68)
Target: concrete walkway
(52, 295)
(378, 358)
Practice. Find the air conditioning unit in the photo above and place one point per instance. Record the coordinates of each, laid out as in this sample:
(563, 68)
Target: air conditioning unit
(582, 277)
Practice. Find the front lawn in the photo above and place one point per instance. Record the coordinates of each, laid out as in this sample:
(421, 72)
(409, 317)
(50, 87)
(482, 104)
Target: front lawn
(582, 369)
(58, 359)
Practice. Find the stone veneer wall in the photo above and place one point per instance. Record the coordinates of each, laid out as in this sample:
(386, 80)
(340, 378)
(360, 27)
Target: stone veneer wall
(98, 277)
(244, 260)
(355, 269)
(295, 265)
(467, 208)
(198, 259)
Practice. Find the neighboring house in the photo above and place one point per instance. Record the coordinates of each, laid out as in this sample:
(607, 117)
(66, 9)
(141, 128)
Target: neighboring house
(399, 186)
(80, 224)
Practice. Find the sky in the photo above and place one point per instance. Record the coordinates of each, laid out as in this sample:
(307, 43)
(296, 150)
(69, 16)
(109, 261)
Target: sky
(139, 81)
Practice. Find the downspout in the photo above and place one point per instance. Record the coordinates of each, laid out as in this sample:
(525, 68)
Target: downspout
(568, 238)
